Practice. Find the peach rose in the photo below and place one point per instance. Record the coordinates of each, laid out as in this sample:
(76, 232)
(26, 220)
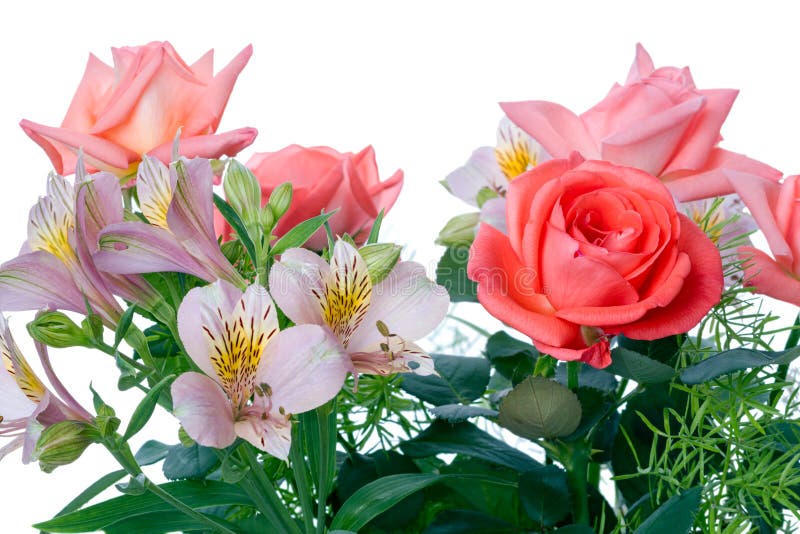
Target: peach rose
(136, 107)
(594, 250)
(324, 179)
(779, 277)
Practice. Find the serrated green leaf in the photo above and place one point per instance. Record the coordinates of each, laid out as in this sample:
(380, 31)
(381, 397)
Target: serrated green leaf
(152, 452)
(629, 364)
(467, 439)
(675, 516)
(545, 495)
(451, 272)
(540, 408)
(461, 379)
(145, 408)
(734, 360)
(193, 462)
(297, 236)
(198, 495)
(455, 413)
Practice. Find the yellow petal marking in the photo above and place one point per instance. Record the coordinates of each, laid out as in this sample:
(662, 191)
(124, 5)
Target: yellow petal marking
(346, 296)
(237, 350)
(18, 367)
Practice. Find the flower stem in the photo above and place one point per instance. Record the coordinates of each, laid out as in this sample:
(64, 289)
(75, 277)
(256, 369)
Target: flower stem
(573, 370)
(780, 374)
(576, 465)
(261, 490)
(300, 471)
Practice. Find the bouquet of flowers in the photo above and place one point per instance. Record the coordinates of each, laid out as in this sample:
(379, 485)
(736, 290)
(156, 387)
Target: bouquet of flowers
(256, 303)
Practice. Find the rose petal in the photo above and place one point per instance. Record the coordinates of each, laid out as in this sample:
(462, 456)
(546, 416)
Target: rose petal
(555, 127)
(767, 277)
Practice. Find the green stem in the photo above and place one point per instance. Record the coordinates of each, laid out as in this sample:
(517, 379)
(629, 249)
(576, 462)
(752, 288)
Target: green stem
(473, 326)
(593, 476)
(125, 458)
(326, 420)
(573, 370)
(300, 471)
(577, 469)
(263, 492)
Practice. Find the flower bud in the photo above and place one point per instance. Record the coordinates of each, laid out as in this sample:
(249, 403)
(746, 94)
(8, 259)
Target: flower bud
(242, 192)
(62, 444)
(280, 199)
(57, 330)
(380, 258)
(459, 231)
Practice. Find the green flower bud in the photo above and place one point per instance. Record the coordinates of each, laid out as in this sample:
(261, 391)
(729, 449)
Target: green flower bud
(380, 258)
(57, 330)
(459, 231)
(485, 194)
(62, 444)
(280, 199)
(242, 192)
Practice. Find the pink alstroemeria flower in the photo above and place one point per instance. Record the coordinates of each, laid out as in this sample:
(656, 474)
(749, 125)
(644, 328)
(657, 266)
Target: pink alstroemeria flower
(178, 203)
(55, 271)
(490, 170)
(375, 325)
(256, 376)
(26, 406)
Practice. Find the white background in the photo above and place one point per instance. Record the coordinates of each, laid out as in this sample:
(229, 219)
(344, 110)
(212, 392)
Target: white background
(417, 80)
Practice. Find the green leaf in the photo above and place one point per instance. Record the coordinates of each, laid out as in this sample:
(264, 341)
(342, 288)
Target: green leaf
(468, 522)
(189, 462)
(575, 529)
(514, 359)
(377, 497)
(375, 230)
(102, 484)
(663, 350)
(467, 439)
(152, 452)
(451, 272)
(301, 233)
(540, 408)
(589, 377)
(162, 522)
(145, 408)
(123, 325)
(461, 379)
(544, 494)
(238, 226)
(734, 360)
(198, 495)
(675, 516)
(455, 413)
(638, 367)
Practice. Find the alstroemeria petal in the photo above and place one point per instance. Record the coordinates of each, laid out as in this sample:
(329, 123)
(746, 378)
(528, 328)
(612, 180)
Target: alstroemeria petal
(154, 186)
(201, 321)
(272, 435)
(304, 367)
(14, 404)
(38, 280)
(293, 282)
(481, 170)
(348, 291)
(407, 302)
(135, 248)
(203, 410)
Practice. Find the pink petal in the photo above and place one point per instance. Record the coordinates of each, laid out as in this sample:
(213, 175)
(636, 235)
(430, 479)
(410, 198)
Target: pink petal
(767, 277)
(273, 434)
(14, 404)
(481, 170)
(38, 280)
(642, 65)
(97, 81)
(304, 366)
(201, 319)
(407, 302)
(557, 129)
(293, 281)
(203, 410)
(206, 114)
(207, 146)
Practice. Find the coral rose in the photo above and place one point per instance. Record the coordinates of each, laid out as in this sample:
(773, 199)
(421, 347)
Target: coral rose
(324, 179)
(136, 107)
(780, 277)
(594, 250)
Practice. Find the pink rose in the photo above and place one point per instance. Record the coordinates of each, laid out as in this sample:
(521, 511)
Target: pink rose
(779, 277)
(136, 107)
(658, 121)
(324, 179)
(594, 250)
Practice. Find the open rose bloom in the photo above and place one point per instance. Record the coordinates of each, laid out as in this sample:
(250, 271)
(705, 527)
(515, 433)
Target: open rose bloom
(594, 250)
(138, 106)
